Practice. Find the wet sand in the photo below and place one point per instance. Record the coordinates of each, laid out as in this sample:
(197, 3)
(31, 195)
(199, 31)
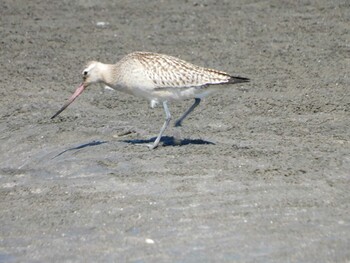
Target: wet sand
(259, 172)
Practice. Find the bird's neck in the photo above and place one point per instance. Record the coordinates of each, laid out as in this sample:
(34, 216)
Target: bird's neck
(110, 74)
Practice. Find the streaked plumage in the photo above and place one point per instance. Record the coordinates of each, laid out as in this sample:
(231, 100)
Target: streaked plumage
(156, 77)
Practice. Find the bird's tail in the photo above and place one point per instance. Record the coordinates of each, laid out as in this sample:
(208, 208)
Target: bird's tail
(235, 80)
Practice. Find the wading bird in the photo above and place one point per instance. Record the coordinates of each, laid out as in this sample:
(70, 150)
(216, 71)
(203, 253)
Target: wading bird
(158, 78)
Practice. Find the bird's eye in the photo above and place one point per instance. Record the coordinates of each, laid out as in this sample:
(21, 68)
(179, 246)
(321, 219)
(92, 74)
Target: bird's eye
(85, 73)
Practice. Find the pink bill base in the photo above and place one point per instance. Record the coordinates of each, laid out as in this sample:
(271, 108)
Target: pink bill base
(77, 92)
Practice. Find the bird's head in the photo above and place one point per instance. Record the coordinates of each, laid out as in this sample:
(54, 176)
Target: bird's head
(91, 74)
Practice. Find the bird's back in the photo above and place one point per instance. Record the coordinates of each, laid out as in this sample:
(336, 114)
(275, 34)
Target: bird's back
(167, 71)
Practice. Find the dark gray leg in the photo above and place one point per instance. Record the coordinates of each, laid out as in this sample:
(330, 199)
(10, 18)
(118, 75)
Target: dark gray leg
(194, 105)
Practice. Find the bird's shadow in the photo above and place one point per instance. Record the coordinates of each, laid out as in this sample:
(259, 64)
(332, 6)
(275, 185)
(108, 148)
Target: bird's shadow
(170, 141)
(166, 140)
(89, 144)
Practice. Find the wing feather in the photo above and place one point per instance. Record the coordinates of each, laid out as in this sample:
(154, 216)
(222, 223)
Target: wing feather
(170, 72)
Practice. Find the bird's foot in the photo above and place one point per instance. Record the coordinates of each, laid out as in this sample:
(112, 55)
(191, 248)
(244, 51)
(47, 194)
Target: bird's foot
(151, 146)
(178, 123)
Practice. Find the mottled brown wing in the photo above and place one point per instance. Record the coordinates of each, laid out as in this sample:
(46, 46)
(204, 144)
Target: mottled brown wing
(170, 72)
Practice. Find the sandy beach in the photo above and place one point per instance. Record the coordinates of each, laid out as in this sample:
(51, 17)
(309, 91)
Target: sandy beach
(260, 172)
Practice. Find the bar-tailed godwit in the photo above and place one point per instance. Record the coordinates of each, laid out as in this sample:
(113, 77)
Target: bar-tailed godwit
(158, 78)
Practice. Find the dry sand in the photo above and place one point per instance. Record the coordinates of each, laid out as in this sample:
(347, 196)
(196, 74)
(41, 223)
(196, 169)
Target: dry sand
(259, 172)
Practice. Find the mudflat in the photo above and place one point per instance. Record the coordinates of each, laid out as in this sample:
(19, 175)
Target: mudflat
(259, 172)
